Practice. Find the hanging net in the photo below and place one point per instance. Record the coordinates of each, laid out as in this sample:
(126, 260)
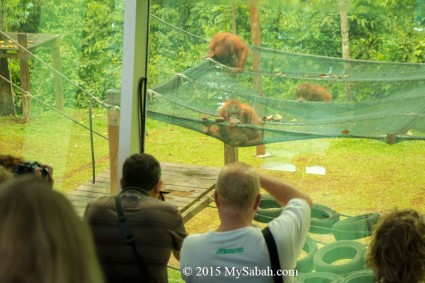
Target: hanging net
(375, 100)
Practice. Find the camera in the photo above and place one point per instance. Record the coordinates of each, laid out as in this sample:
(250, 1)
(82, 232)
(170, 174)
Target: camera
(29, 167)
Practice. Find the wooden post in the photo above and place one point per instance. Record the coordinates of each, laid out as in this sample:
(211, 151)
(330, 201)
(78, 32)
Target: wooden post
(113, 98)
(256, 59)
(391, 138)
(230, 154)
(25, 75)
(57, 78)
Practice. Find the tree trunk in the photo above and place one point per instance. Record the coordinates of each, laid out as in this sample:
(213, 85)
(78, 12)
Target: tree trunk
(345, 44)
(234, 19)
(256, 59)
(6, 98)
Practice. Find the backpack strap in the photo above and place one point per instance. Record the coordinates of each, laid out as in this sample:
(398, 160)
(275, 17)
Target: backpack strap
(274, 256)
(128, 235)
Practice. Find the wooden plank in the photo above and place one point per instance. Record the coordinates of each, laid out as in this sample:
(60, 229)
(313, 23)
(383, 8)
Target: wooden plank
(173, 194)
(82, 197)
(202, 195)
(8, 56)
(197, 207)
(34, 40)
(200, 169)
(189, 186)
(99, 190)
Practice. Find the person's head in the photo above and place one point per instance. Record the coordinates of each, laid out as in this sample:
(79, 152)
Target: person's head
(141, 171)
(238, 187)
(397, 249)
(42, 239)
(10, 161)
(18, 166)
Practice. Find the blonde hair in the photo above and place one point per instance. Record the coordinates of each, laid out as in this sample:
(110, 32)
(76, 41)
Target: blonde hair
(397, 250)
(42, 239)
(238, 185)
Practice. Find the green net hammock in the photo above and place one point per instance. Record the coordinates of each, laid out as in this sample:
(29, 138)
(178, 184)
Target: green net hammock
(375, 100)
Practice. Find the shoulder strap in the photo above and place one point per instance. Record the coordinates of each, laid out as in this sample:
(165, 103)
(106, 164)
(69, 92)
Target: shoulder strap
(274, 256)
(128, 234)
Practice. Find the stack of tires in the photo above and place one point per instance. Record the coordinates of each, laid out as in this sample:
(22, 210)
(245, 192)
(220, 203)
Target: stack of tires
(339, 261)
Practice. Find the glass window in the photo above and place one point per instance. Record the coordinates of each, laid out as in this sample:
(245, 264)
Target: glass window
(349, 132)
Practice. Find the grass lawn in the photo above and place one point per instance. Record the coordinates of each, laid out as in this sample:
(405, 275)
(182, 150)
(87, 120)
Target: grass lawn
(361, 175)
(57, 141)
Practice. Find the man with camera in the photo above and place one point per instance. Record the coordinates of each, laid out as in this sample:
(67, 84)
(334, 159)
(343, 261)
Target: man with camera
(17, 166)
(135, 232)
(236, 250)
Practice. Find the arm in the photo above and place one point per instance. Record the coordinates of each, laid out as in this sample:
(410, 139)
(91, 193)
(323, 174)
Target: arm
(282, 191)
(242, 56)
(178, 235)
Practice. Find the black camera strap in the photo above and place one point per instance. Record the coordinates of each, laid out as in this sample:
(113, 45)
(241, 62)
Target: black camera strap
(128, 235)
(274, 256)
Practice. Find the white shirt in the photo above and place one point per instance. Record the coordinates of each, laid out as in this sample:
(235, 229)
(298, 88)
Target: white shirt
(242, 254)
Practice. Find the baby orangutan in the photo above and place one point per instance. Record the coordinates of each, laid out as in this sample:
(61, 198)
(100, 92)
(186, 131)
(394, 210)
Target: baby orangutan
(228, 49)
(233, 133)
(312, 92)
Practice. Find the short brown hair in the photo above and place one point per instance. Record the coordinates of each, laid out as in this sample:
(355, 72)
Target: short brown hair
(397, 250)
(10, 161)
(141, 171)
(238, 185)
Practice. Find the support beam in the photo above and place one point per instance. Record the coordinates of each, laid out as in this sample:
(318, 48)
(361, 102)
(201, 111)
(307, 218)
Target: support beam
(230, 154)
(113, 98)
(135, 67)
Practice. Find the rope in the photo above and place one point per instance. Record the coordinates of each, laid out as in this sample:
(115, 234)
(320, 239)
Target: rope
(28, 94)
(172, 267)
(270, 50)
(315, 226)
(177, 28)
(96, 99)
(93, 161)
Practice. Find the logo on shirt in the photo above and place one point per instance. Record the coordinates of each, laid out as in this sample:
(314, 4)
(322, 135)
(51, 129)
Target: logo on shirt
(223, 251)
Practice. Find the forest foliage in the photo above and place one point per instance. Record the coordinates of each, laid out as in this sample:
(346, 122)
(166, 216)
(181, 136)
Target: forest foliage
(92, 31)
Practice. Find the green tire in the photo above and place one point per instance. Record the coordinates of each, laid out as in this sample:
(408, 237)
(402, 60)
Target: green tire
(267, 201)
(356, 227)
(362, 276)
(267, 215)
(326, 256)
(306, 264)
(319, 277)
(322, 219)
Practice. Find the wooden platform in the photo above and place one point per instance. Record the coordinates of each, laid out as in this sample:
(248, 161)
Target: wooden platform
(190, 188)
